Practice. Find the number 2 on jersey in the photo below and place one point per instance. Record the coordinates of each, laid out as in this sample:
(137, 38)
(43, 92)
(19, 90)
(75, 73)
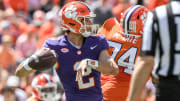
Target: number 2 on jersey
(129, 55)
(86, 85)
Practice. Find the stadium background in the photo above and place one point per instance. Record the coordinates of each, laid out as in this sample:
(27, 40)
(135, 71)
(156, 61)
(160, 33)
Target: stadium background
(26, 24)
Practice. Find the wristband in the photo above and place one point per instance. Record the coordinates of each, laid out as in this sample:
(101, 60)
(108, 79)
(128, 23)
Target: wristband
(26, 66)
(92, 63)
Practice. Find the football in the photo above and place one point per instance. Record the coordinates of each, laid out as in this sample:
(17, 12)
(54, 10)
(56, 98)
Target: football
(43, 59)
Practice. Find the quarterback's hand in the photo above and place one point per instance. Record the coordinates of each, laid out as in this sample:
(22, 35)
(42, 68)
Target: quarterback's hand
(81, 69)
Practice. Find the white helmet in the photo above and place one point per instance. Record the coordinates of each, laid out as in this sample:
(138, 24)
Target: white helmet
(44, 87)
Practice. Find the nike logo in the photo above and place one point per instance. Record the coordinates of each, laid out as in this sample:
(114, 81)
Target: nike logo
(93, 47)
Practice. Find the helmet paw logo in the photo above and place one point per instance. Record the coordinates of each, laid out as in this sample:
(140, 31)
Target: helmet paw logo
(143, 17)
(70, 12)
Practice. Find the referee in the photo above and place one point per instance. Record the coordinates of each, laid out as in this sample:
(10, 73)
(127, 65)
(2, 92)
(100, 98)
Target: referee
(161, 50)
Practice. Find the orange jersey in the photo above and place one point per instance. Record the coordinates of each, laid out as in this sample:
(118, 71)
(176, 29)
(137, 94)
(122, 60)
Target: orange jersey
(124, 51)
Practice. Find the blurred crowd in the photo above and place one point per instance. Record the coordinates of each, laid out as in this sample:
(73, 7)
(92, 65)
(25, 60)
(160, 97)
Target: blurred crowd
(26, 24)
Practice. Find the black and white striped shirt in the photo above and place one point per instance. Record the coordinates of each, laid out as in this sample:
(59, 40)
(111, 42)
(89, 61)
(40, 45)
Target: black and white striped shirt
(161, 39)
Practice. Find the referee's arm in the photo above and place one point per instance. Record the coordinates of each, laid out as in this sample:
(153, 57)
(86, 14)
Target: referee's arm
(144, 63)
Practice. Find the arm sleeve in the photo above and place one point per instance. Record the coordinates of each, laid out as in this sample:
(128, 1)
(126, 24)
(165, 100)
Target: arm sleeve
(47, 44)
(103, 43)
(50, 43)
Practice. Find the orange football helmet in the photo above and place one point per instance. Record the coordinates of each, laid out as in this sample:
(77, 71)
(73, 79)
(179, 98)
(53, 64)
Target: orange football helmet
(133, 21)
(76, 17)
(44, 87)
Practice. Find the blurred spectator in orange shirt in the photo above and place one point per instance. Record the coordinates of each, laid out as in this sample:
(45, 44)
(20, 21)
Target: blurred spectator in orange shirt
(17, 5)
(26, 43)
(7, 60)
(9, 28)
(1, 15)
(155, 3)
(119, 8)
(22, 26)
(3, 77)
(46, 30)
(56, 2)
